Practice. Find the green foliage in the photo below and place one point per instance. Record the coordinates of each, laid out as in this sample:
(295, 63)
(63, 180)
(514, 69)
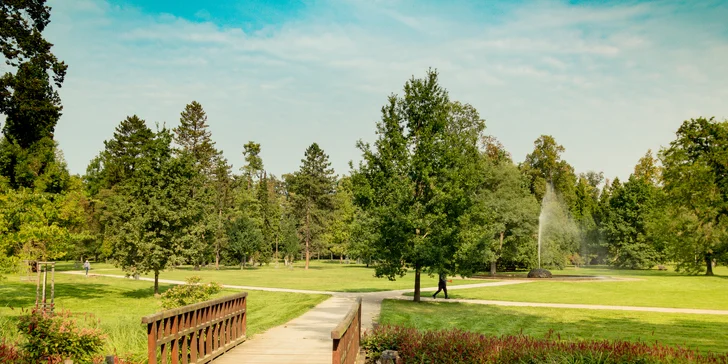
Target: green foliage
(626, 222)
(39, 167)
(244, 240)
(190, 292)
(544, 166)
(695, 177)
(311, 191)
(41, 226)
(152, 216)
(58, 337)
(338, 232)
(418, 179)
(503, 221)
(193, 136)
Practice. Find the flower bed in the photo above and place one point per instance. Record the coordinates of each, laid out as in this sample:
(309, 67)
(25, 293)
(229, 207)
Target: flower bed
(456, 346)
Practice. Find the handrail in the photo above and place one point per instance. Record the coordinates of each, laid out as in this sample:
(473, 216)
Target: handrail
(346, 336)
(197, 333)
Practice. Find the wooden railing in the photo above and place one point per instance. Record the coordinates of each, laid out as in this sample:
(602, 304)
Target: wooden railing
(197, 333)
(346, 336)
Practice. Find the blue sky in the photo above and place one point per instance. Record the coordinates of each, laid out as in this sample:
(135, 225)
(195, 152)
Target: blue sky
(608, 80)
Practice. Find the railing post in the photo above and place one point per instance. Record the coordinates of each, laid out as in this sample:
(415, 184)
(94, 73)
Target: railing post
(346, 336)
(196, 333)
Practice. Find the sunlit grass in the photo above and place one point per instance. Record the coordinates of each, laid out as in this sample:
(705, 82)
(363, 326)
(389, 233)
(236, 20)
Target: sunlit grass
(704, 332)
(120, 304)
(645, 288)
(322, 276)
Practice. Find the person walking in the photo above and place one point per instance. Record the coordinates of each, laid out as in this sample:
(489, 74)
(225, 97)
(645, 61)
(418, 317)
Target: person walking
(87, 266)
(441, 286)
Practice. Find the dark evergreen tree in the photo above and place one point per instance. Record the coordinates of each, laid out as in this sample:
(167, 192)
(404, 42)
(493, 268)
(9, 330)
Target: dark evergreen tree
(312, 191)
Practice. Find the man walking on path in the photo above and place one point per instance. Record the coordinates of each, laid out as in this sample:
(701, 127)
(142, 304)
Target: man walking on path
(441, 285)
(87, 266)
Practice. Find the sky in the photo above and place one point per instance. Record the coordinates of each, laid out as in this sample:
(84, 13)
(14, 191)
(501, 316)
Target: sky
(608, 80)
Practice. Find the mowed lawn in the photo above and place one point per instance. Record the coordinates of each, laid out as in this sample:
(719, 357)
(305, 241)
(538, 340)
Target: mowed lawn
(121, 303)
(321, 275)
(648, 288)
(702, 332)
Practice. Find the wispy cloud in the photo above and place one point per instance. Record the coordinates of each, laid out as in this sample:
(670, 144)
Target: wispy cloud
(608, 81)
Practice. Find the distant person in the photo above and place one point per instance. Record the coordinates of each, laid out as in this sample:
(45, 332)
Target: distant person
(441, 286)
(87, 266)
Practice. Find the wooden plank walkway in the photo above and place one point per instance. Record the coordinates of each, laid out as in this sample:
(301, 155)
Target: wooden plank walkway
(305, 339)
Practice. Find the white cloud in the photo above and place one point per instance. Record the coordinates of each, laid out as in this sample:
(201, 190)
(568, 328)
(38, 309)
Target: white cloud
(607, 82)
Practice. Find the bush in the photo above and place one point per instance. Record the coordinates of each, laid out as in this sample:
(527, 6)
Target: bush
(9, 353)
(456, 346)
(51, 338)
(189, 293)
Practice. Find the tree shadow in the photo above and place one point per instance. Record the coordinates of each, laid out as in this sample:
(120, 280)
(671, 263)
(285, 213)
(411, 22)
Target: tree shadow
(23, 295)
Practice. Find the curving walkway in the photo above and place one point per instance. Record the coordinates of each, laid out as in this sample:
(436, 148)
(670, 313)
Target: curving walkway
(307, 338)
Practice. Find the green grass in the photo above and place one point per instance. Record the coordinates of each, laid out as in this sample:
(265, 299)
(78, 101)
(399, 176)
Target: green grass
(120, 305)
(321, 276)
(702, 332)
(650, 288)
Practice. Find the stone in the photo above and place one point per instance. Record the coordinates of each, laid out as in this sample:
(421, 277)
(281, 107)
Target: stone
(539, 273)
(389, 357)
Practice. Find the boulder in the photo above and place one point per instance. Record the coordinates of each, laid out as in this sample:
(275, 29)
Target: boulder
(539, 273)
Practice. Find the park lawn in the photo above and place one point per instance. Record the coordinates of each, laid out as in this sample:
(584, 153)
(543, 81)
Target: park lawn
(321, 276)
(702, 332)
(650, 288)
(121, 303)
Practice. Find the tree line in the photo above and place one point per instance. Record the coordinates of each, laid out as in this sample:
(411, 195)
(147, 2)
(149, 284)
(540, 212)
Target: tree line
(433, 193)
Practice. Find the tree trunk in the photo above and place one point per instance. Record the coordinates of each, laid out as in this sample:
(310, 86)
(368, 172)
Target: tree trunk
(417, 284)
(709, 264)
(156, 282)
(308, 237)
(217, 240)
(494, 262)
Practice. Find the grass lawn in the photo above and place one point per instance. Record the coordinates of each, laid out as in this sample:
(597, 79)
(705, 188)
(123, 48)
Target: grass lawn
(652, 288)
(704, 332)
(321, 275)
(120, 305)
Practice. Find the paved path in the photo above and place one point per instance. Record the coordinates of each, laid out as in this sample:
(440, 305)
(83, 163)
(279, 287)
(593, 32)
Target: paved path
(307, 339)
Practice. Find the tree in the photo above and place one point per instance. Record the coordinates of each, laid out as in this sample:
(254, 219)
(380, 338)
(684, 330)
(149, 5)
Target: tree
(245, 239)
(254, 163)
(312, 190)
(338, 232)
(27, 98)
(695, 178)
(625, 225)
(418, 179)
(588, 217)
(126, 151)
(544, 166)
(152, 215)
(503, 220)
(223, 203)
(193, 136)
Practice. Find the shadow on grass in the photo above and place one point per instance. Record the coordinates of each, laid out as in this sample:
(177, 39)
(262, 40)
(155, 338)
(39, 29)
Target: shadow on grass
(701, 334)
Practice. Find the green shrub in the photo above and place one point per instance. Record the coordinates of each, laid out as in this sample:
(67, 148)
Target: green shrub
(51, 338)
(189, 293)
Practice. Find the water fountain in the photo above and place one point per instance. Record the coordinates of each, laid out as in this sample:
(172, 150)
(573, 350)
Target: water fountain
(548, 198)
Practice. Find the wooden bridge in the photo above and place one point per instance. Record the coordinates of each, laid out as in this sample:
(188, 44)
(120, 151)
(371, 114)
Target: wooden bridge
(214, 331)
